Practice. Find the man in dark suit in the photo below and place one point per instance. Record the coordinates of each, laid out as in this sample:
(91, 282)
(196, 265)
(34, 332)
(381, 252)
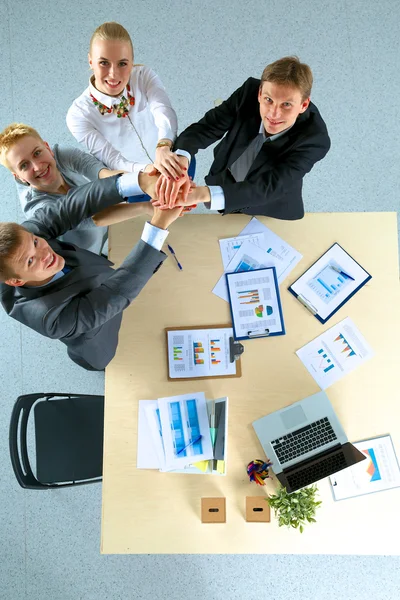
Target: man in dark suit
(272, 136)
(71, 294)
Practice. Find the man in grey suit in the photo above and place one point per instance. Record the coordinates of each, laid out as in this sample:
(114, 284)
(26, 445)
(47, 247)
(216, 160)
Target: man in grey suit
(71, 294)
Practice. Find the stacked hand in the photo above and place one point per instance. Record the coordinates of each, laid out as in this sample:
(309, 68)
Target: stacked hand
(171, 191)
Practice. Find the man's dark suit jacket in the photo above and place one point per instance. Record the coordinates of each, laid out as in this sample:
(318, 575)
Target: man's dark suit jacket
(82, 309)
(273, 185)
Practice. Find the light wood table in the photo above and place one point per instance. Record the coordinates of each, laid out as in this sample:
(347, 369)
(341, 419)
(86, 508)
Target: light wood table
(151, 512)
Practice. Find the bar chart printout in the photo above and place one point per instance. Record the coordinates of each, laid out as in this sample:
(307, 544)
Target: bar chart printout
(335, 353)
(248, 297)
(328, 283)
(200, 353)
(332, 280)
(379, 472)
(184, 419)
(255, 302)
(215, 352)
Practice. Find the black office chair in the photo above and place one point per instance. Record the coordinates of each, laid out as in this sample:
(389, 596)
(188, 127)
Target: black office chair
(69, 440)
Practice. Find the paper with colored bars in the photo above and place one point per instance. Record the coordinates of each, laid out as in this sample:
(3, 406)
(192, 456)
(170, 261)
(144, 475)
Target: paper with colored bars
(254, 248)
(334, 353)
(330, 282)
(255, 303)
(154, 435)
(379, 472)
(180, 430)
(200, 353)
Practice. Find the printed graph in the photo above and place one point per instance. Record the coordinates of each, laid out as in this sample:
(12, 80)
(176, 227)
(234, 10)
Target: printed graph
(372, 469)
(275, 254)
(328, 283)
(247, 264)
(194, 427)
(198, 353)
(178, 437)
(215, 352)
(346, 348)
(177, 351)
(248, 297)
(325, 363)
(259, 310)
(320, 361)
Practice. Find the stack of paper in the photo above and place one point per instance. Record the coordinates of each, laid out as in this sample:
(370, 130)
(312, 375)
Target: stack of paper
(184, 434)
(256, 247)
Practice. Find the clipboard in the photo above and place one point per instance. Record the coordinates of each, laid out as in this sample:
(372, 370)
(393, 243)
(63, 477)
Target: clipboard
(255, 303)
(181, 352)
(329, 283)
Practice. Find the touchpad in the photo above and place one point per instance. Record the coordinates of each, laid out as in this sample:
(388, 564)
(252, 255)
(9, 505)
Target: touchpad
(293, 417)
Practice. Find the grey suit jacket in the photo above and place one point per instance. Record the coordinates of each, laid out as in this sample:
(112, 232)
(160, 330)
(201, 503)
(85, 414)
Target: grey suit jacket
(83, 308)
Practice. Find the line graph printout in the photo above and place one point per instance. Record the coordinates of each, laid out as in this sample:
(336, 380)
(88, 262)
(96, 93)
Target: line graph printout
(334, 353)
(379, 472)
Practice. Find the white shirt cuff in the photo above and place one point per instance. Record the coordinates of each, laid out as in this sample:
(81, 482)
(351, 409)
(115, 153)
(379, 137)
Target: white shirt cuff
(137, 167)
(166, 134)
(184, 153)
(128, 185)
(217, 197)
(154, 236)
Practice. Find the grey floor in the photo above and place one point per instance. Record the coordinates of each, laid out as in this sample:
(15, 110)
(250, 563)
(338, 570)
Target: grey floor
(49, 546)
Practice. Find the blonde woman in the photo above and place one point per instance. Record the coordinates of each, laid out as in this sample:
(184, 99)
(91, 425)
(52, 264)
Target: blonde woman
(124, 117)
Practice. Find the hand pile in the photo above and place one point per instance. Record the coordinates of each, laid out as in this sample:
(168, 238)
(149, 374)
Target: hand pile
(174, 184)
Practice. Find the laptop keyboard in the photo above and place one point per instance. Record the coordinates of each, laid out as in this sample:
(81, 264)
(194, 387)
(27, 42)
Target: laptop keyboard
(303, 440)
(320, 470)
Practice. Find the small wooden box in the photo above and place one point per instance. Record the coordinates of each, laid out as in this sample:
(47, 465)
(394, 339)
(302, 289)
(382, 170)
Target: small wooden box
(213, 510)
(257, 509)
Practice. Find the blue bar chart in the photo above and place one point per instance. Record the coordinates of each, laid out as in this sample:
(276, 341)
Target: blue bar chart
(328, 283)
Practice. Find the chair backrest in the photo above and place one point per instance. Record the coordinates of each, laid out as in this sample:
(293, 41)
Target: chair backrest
(69, 439)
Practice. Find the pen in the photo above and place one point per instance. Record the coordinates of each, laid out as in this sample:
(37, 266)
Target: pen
(190, 444)
(170, 248)
(341, 272)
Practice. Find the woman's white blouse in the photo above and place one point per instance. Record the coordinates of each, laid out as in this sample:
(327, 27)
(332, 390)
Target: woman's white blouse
(113, 140)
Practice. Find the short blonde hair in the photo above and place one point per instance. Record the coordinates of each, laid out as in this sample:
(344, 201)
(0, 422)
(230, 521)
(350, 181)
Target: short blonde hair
(11, 135)
(290, 71)
(10, 237)
(111, 32)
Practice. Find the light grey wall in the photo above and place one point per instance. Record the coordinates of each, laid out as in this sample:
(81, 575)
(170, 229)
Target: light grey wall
(49, 546)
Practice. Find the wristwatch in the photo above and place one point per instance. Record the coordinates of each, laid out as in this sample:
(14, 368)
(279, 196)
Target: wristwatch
(164, 143)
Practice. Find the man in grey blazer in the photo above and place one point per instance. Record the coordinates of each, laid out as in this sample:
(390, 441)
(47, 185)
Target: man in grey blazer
(71, 294)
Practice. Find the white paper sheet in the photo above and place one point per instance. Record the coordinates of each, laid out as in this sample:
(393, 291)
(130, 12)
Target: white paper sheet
(150, 448)
(183, 419)
(255, 303)
(229, 246)
(200, 353)
(280, 254)
(147, 455)
(334, 353)
(324, 288)
(379, 472)
(248, 257)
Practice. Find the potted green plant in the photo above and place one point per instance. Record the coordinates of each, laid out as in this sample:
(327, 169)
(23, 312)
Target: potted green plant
(295, 509)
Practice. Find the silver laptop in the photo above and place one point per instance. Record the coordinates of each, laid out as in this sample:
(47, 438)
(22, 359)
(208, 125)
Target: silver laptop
(305, 442)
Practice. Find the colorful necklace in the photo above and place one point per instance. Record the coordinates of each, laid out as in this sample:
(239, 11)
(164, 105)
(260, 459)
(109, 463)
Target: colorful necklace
(121, 109)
